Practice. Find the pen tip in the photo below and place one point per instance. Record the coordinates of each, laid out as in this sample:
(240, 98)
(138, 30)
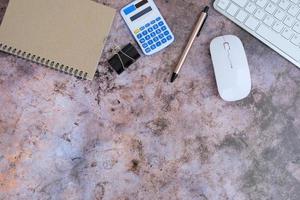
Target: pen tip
(206, 9)
(174, 76)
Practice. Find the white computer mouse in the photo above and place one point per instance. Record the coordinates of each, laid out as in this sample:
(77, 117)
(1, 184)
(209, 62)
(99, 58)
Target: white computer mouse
(231, 67)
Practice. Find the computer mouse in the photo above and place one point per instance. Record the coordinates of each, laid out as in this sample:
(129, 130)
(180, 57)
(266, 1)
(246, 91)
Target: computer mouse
(231, 68)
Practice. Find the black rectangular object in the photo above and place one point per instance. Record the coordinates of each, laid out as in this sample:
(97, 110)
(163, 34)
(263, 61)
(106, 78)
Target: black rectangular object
(143, 12)
(141, 3)
(131, 52)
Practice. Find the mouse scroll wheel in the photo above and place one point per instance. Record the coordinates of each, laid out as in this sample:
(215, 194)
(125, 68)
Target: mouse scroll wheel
(226, 46)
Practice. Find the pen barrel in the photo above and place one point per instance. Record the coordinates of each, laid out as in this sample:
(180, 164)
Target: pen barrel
(191, 41)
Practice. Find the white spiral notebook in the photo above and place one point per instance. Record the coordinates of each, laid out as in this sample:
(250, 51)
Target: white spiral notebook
(66, 35)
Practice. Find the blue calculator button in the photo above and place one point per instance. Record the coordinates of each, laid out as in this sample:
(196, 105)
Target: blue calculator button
(147, 37)
(144, 32)
(150, 30)
(163, 28)
(145, 45)
(147, 50)
(158, 31)
(160, 23)
(159, 18)
(150, 42)
(139, 36)
(155, 39)
(142, 40)
(142, 28)
(155, 26)
(166, 33)
(153, 47)
(169, 37)
(153, 34)
(161, 36)
(153, 22)
(164, 40)
(158, 44)
(147, 25)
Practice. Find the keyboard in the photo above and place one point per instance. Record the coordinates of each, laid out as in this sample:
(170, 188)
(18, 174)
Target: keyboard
(274, 22)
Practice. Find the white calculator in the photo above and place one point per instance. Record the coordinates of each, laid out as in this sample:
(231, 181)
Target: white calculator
(147, 26)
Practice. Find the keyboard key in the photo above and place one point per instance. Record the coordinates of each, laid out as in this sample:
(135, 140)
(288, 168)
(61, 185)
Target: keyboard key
(160, 23)
(166, 33)
(293, 10)
(260, 14)
(275, 1)
(155, 26)
(163, 28)
(250, 8)
(241, 16)
(164, 40)
(158, 44)
(280, 14)
(158, 19)
(153, 22)
(142, 28)
(158, 31)
(262, 3)
(223, 4)
(139, 36)
(150, 42)
(279, 41)
(297, 27)
(150, 29)
(232, 9)
(241, 3)
(147, 50)
(145, 45)
(269, 20)
(142, 40)
(278, 27)
(284, 4)
(169, 37)
(147, 37)
(252, 23)
(271, 8)
(153, 34)
(147, 25)
(287, 33)
(155, 39)
(161, 36)
(289, 21)
(153, 47)
(296, 40)
(144, 32)
(295, 1)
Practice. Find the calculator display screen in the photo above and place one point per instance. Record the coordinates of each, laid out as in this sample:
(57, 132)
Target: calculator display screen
(141, 13)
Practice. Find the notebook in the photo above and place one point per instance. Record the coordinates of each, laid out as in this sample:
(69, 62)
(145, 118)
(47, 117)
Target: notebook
(66, 35)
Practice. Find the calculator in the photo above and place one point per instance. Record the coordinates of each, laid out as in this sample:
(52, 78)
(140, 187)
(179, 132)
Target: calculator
(147, 26)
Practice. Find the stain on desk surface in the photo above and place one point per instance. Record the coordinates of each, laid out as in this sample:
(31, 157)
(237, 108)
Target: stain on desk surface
(136, 136)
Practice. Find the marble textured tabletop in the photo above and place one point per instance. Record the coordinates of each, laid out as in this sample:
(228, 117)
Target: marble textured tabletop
(136, 136)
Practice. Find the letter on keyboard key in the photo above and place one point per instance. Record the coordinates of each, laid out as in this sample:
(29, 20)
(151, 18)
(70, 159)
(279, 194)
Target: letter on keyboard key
(223, 4)
(232, 9)
(279, 41)
(284, 4)
(252, 23)
(241, 3)
(297, 27)
(250, 7)
(241, 16)
(296, 40)
(278, 26)
(271, 8)
(260, 14)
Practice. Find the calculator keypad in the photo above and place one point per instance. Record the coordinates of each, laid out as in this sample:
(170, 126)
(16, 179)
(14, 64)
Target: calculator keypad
(153, 35)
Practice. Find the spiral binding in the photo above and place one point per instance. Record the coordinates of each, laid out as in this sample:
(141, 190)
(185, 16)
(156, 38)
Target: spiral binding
(43, 61)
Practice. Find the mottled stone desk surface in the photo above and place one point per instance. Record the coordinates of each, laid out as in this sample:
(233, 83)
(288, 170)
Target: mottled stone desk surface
(136, 136)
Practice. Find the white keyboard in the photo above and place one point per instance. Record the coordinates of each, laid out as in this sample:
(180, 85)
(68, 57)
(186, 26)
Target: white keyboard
(274, 22)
